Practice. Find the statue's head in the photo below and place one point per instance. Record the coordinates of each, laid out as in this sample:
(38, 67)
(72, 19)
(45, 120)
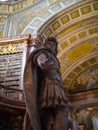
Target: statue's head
(41, 42)
(51, 43)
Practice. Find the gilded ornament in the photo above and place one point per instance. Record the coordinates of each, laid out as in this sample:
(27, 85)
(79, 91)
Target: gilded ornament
(10, 48)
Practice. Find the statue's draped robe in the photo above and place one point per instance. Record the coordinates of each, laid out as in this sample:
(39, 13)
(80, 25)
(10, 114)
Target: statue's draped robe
(30, 93)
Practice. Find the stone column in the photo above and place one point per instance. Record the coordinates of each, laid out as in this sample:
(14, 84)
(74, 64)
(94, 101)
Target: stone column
(75, 125)
(95, 123)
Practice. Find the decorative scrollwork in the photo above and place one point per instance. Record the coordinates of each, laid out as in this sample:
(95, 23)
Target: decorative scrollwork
(11, 48)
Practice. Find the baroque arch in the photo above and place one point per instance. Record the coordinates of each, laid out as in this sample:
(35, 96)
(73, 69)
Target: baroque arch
(76, 29)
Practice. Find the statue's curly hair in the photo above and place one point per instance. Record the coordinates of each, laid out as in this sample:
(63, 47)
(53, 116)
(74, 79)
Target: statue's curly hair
(53, 39)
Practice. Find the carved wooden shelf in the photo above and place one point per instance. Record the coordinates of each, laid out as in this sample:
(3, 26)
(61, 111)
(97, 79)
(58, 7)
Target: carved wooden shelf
(13, 53)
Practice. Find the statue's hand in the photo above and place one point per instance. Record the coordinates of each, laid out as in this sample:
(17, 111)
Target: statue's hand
(44, 62)
(47, 64)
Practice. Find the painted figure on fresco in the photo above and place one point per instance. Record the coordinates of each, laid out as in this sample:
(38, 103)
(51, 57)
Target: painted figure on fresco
(87, 80)
(46, 103)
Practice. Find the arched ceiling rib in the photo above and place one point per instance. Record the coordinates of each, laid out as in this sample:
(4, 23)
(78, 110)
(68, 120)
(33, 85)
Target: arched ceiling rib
(76, 29)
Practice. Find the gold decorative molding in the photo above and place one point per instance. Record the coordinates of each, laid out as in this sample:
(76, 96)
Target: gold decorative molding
(80, 51)
(10, 48)
(13, 44)
(64, 19)
(2, 20)
(68, 29)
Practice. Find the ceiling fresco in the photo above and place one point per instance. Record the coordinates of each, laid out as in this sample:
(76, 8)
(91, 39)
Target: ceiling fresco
(76, 29)
(87, 80)
(74, 24)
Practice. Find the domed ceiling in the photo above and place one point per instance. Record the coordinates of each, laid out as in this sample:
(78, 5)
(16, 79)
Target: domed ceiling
(74, 26)
(76, 29)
